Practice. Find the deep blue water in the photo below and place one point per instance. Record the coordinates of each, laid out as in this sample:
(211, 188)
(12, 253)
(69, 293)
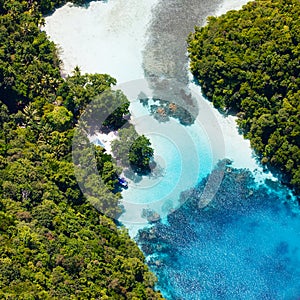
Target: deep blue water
(244, 245)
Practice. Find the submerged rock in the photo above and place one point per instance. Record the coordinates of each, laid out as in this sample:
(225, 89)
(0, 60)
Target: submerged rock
(151, 215)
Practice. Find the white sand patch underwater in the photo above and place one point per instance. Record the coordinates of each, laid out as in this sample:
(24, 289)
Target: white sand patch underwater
(106, 37)
(226, 6)
(109, 37)
(237, 148)
(104, 140)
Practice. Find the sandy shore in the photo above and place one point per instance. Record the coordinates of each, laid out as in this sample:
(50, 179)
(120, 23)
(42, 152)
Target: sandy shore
(237, 148)
(103, 139)
(230, 5)
(107, 37)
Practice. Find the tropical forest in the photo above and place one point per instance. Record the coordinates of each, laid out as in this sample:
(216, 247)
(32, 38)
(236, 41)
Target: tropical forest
(54, 244)
(247, 62)
(150, 149)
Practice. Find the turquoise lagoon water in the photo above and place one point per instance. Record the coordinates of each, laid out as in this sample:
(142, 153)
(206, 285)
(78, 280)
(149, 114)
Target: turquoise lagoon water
(183, 156)
(244, 245)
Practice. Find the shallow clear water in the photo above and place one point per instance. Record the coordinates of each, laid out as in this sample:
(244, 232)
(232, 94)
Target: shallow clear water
(183, 156)
(245, 243)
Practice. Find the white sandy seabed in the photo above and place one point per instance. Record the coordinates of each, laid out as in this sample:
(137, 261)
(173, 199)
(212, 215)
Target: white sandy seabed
(108, 37)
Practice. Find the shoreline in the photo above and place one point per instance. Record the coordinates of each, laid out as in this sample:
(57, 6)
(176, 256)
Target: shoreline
(104, 140)
(106, 37)
(226, 6)
(99, 43)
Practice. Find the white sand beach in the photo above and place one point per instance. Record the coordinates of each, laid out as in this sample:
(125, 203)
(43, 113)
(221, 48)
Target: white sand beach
(104, 140)
(108, 37)
(226, 6)
(237, 148)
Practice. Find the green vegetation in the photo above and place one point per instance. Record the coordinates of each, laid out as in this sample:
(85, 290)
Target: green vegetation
(78, 90)
(140, 154)
(54, 244)
(248, 61)
(105, 112)
(133, 150)
(46, 6)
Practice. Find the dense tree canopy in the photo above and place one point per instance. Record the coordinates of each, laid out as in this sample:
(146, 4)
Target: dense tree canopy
(53, 243)
(140, 154)
(46, 6)
(133, 150)
(248, 61)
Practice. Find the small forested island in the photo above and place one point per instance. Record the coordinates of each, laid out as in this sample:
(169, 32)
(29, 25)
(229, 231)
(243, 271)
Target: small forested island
(248, 62)
(54, 244)
(135, 155)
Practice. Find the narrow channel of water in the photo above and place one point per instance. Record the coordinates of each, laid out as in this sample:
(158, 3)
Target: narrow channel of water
(244, 244)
